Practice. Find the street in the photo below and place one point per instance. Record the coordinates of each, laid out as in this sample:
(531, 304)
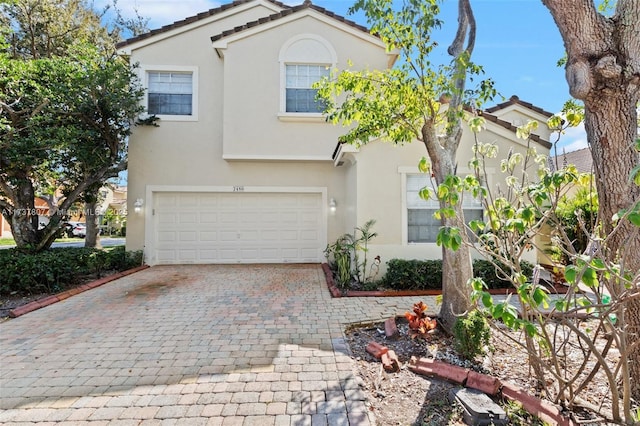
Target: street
(105, 242)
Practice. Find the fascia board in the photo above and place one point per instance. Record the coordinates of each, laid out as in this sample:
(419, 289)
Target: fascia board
(197, 24)
(223, 43)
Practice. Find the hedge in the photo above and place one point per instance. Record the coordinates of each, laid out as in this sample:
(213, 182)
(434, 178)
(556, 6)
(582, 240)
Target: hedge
(415, 274)
(55, 269)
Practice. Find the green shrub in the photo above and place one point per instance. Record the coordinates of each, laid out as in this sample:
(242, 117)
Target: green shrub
(471, 334)
(119, 259)
(487, 271)
(55, 269)
(415, 274)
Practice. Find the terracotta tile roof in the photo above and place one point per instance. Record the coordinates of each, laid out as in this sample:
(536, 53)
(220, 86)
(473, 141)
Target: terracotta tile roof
(191, 19)
(515, 100)
(492, 118)
(274, 17)
(581, 158)
(509, 126)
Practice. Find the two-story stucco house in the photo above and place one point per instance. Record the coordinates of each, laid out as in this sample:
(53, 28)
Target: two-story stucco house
(243, 167)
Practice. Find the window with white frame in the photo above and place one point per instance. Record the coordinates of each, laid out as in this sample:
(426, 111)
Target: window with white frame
(300, 95)
(422, 226)
(170, 93)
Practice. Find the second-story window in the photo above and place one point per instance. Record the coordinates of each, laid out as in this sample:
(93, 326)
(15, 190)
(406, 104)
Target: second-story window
(300, 96)
(170, 93)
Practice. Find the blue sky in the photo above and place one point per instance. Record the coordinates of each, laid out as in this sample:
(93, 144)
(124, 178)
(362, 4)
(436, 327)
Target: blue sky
(517, 43)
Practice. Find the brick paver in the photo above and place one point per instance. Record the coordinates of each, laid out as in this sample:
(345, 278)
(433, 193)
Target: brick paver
(197, 344)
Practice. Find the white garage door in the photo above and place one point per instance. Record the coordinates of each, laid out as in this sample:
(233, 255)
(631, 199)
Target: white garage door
(238, 227)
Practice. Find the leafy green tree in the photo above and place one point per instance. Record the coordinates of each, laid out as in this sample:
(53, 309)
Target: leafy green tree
(416, 100)
(578, 212)
(83, 100)
(46, 28)
(64, 124)
(550, 322)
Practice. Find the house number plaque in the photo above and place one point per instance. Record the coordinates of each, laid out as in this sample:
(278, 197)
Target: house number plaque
(238, 188)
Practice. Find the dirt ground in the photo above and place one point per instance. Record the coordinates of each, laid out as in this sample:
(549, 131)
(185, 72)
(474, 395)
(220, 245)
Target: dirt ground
(406, 398)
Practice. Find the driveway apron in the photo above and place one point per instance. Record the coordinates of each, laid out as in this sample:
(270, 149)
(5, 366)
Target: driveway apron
(195, 344)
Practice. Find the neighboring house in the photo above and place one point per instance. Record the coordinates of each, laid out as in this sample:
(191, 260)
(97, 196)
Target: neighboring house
(41, 208)
(580, 158)
(112, 208)
(5, 228)
(244, 168)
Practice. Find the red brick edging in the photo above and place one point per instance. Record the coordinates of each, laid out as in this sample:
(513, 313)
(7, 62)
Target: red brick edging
(336, 292)
(544, 410)
(54, 298)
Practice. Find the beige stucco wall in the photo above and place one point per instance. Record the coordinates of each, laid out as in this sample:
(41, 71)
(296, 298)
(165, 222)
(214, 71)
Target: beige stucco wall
(238, 100)
(379, 168)
(253, 76)
(519, 116)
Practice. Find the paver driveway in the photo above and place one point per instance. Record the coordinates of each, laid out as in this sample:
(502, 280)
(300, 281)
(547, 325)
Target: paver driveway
(206, 344)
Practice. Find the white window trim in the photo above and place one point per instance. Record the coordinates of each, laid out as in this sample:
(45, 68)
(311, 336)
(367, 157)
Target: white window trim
(144, 77)
(283, 115)
(404, 171)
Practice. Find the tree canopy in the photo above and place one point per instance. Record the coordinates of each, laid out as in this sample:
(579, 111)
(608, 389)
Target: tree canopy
(67, 107)
(415, 100)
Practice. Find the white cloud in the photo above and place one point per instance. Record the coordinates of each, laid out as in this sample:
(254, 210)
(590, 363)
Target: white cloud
(573, 139)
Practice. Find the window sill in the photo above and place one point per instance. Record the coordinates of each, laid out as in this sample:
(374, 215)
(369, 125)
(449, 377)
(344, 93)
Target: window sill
(308, 117)
(164, 117)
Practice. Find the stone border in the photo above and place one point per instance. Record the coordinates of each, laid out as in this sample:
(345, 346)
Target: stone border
(336, 292)
(546, 411)
(54, 298)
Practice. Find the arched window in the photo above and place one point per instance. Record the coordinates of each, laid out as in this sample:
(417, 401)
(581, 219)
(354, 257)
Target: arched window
(304, 60)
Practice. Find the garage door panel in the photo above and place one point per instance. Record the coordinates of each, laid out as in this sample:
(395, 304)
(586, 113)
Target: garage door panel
(228, 255)
(164, 218)
(190, 255)
(309, 235)
(167, 200)
(228, 236)
(289, 235)
(309, 218)
(168, 236)
(190, 217)
(269, 235)
(238, 227)
(209, 200)
(228, 217)
(188, 236)
(208, 217)
(209, 256)
(208, 236)
(252, 235)
(290, 217)
(188, 200)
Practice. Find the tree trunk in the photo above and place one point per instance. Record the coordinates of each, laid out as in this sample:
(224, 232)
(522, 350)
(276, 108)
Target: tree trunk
(456, 272)
(24, 219)
(456, 265)
(603, 70)
(92, 239)
(610, 122)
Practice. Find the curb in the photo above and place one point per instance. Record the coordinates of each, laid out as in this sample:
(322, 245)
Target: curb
(54, 298)
(544, 410)
(336, 292)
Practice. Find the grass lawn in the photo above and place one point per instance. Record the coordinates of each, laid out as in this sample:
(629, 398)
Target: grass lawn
(11, 242)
